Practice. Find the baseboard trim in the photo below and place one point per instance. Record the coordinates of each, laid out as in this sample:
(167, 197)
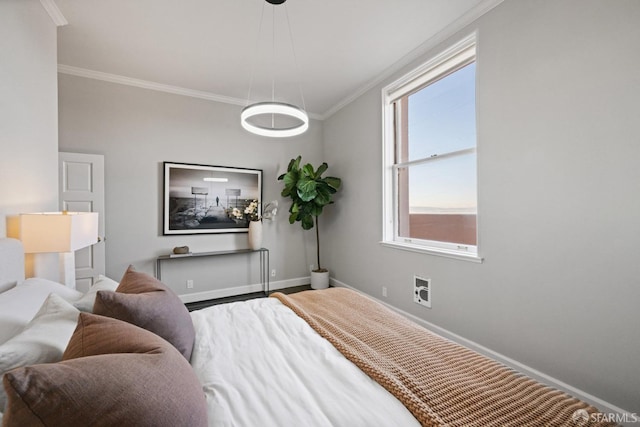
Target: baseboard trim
(602, 405)
(240, 290)
(289, 283)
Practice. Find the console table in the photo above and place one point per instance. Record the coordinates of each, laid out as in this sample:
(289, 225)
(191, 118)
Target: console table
(264, 261)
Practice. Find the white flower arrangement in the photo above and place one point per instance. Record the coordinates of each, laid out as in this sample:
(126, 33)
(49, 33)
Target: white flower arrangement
(236, 214)
(252, 213)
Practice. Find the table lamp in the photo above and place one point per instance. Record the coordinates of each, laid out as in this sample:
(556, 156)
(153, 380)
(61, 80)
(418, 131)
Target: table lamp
(61, 232)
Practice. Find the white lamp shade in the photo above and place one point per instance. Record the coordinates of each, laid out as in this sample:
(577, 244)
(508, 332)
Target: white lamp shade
(58, 231)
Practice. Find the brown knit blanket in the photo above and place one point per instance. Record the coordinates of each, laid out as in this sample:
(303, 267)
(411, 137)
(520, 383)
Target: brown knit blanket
(440, 382)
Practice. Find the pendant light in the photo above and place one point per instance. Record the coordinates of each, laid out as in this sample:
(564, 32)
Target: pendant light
(273, 109)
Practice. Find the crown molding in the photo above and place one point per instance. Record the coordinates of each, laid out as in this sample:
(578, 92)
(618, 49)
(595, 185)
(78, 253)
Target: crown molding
(145, 84)
(54, 12)
(459, 24)
(160, 87)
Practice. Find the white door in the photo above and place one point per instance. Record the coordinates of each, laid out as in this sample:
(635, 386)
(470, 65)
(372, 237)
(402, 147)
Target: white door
(81, 188)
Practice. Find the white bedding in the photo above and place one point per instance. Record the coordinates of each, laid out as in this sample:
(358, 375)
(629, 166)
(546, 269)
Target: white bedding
(19, 304)
(261, 365)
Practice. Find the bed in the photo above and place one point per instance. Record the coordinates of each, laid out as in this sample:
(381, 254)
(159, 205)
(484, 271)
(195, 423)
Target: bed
(316, 358)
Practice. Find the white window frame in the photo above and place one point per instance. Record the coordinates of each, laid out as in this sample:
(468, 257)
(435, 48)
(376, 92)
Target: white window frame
(455, 57)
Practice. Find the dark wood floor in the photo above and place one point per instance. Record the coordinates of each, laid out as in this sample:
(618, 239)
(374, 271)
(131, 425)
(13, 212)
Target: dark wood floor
(202, 304)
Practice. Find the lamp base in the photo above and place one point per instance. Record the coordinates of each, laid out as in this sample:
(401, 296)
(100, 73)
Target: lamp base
(67, 269)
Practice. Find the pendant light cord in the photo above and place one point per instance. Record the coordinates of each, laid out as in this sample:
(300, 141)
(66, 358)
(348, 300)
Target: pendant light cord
(273, 62)
(273, 50)
(255, 56)
(274, 108)
(295, 58)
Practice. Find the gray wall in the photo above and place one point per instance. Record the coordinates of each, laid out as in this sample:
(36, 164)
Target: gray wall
(138, 129)
(559, 204)
(28, 115)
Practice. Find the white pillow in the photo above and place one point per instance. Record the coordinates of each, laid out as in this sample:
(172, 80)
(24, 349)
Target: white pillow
(19, 304)
(43, 340)
(102, 284)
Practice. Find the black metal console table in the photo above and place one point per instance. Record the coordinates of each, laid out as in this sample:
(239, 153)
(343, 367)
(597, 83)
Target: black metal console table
(264, 262)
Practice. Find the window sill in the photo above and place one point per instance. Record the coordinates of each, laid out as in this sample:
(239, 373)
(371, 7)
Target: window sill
(434, 251)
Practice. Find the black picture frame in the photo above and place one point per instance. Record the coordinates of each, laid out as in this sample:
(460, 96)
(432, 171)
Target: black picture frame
(199, 199)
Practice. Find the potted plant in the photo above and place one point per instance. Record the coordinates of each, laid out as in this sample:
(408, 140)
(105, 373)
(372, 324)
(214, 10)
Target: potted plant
(309, 193)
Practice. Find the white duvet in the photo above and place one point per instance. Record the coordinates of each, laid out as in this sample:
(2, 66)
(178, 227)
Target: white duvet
(261, 365)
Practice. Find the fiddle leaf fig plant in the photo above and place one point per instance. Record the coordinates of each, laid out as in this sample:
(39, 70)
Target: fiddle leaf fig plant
(309, 192)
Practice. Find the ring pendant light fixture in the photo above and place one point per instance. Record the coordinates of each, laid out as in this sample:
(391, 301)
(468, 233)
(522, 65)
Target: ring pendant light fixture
(273, 108)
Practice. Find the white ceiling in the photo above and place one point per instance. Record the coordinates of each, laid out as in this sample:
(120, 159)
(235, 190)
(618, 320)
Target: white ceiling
(212, 47)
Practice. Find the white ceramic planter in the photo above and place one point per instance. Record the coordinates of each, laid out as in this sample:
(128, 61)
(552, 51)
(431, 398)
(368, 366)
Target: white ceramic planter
(319, 279)
(255, 235)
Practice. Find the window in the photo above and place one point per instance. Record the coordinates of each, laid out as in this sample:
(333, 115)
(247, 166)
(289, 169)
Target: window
(430, 171)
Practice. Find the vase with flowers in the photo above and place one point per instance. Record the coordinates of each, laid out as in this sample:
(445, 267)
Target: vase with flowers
(253, 215)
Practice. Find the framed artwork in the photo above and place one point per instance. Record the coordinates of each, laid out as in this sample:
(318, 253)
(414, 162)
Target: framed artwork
(201, 199)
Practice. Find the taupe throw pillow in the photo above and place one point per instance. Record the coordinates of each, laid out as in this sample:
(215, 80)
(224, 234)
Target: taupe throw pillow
(114, 374)
(144, 301)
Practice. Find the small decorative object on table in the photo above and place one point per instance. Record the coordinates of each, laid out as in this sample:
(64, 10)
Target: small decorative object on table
(181, 250)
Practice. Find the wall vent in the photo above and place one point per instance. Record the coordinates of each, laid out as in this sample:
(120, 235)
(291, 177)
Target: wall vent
(422, 291)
